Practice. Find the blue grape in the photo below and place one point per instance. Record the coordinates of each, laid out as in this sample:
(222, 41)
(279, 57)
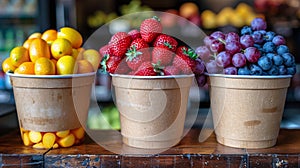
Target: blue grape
(233, 47)
(231, 36)
(269, 36)
(291, 70)
(216, 46)
(255, 70)
(265, 73)
(282, 70)
(244, 71)
(281, 49)
(223, 59)
(270, 55)
(258, 37)
(239, 60)
(211, 67)
(288, 59)
(218, 35)
(203, 52)
(246, 30)
(277, 59)
(252, 54)
(230, 70)
(265, 63)
(269, 47)
(278, 40)
(201, 80)
(246, 41)
(273, 71)
(262, 31)
(200, 67)
(208, 40)
(258, 24)
(259, 47)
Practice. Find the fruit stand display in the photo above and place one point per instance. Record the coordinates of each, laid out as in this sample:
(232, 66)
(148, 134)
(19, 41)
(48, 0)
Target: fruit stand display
(244, 65)
(264, 52)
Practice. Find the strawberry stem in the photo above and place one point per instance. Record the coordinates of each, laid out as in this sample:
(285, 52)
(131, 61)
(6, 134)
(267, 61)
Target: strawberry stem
(168, 45)
(191, 53)
(156, 18)
(132, 53)
(158, 68)
(103, 62)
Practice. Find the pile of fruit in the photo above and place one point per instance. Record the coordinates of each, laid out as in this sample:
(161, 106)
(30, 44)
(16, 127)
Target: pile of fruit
(255, 51)
(239, 16)
(149, 52)
(52, 53)
(46, 140)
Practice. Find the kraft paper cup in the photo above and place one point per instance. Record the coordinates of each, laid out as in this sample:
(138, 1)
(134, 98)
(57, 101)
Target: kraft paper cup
(247, 110)
(152, 109)
(51, 103)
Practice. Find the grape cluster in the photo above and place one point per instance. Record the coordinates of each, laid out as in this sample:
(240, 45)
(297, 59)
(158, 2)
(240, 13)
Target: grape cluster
(255, 51)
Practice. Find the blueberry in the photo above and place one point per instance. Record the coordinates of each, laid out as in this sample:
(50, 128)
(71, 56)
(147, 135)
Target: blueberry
(282, 70)
(269, 36)
(277, 59)
(265, 63)
(258, 24)
(281, 49)
(244, 71)
(257, 37)
(269, 47)
(288, 59)
(246, 30)
(265, 73)
(263, 32)
(255, 70)
(259, 47)
(270, 55)
(291, 70)
(273, 71)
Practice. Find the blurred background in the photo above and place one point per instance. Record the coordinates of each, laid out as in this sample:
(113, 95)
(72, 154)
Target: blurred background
(20, 18)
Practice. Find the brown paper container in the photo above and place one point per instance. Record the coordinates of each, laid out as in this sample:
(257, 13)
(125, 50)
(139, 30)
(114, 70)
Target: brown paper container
(152, 109)
(52, 103)
(246, 110)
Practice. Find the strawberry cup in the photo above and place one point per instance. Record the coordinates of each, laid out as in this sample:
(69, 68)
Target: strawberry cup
(49, 108)
(152, 108)
(247, 110)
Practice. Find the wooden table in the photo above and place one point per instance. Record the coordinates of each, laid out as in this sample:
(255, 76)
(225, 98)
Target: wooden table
(188, 153)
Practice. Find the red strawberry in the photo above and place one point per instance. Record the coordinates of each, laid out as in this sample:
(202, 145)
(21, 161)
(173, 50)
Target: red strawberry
(150, 29)
(122, 68)
(134, 34)
(106, 49)
(110, 63)
(119, 43)
(137, 53)
(165, 41)
(162, 55)
(146, 69)
(171, 70)
(139, 43)
(185, 59)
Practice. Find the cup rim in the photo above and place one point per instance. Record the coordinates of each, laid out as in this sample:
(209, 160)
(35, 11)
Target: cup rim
(152, 77)
(50, 76)
(250, 76)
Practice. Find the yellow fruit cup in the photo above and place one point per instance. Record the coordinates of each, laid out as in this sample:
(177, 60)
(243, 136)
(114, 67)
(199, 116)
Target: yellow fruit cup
(49, 108)
(46, 140)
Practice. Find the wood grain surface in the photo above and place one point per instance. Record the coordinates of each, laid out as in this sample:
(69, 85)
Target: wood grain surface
(188, 153)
